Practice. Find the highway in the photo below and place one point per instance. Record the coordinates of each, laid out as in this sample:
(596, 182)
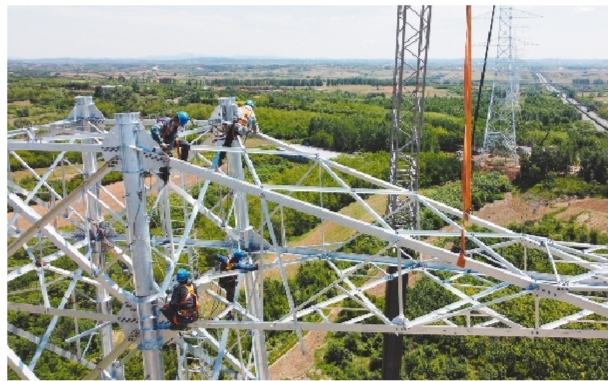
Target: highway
(599, 123)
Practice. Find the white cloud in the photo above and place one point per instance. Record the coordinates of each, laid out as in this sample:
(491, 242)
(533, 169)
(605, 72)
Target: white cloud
(584, 9)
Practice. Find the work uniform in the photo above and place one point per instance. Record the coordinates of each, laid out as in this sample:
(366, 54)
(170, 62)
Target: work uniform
(228, 283)
(164, 132)
(243, 123)
(246, 118)
(184, 305)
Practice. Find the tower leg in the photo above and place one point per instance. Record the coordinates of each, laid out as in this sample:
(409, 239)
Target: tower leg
(392, 348)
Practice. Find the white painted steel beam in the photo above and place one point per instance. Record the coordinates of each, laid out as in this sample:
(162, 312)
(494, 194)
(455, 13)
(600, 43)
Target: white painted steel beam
(401, 330)
(318, 189)
(53, 323)
(230, 359)
(19, 366)
(13, 145)
(14, 274)
(138, 235)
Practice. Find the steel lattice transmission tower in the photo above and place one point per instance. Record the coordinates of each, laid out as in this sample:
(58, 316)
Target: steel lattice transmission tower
(500, 130)
(409, 79)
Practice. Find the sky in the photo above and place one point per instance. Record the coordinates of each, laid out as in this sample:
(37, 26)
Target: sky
(364, 32)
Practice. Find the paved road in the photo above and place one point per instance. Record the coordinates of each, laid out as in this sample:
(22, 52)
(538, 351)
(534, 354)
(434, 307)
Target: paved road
(324, 154)
(590, 116)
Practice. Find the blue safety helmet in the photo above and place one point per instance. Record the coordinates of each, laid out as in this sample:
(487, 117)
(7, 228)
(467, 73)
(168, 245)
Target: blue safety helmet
(238, 255)
(182, 275)
(249, 102)
(182, 117)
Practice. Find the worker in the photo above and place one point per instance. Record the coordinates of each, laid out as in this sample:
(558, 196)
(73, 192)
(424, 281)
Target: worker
(246, 116)
(228, 283)
(184, 305)
(164, 132)
(244, 123)
(232, 131)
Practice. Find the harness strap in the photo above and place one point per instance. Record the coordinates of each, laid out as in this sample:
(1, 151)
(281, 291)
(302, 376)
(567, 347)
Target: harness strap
(165, 130)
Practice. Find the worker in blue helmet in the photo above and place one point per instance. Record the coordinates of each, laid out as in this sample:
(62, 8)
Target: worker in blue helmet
(164, 132)
(184, 305)
(234, 262)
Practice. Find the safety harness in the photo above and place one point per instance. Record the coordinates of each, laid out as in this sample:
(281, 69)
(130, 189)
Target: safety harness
(166, 129)
(185, 312)
(227, 280)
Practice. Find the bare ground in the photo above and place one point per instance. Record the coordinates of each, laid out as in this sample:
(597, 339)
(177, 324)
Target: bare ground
(591, 211)
(295, 365)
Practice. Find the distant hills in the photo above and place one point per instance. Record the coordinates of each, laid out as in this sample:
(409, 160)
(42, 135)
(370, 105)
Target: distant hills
(192, 59)
(197, 60)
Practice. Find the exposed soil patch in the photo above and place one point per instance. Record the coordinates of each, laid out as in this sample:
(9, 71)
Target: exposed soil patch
(515, 209)
(116, 189)
(293, 364)
(512, 209)
(592, 212)
(21, 103)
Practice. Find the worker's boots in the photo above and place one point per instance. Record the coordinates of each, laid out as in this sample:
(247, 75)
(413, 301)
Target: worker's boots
(163, 174)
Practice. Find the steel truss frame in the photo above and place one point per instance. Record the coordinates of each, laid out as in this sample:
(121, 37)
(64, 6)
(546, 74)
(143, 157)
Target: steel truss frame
(481, 289)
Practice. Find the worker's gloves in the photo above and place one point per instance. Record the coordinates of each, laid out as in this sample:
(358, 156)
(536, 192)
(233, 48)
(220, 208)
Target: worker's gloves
(163, 145)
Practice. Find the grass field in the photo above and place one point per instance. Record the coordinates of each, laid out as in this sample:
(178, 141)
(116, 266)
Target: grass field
(388, 90)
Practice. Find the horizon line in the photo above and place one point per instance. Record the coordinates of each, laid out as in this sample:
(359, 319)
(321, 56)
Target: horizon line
(174, 58)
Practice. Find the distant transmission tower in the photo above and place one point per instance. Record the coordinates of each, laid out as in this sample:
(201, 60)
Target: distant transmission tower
(413, 32)
(500, 131)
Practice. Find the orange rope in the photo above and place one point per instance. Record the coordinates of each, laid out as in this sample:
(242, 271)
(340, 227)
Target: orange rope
(466, 151)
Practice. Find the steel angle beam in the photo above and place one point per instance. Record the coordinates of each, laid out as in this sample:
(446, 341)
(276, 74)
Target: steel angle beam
(51, 347)
(400, 330)
(19, 366)
(27, 146)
